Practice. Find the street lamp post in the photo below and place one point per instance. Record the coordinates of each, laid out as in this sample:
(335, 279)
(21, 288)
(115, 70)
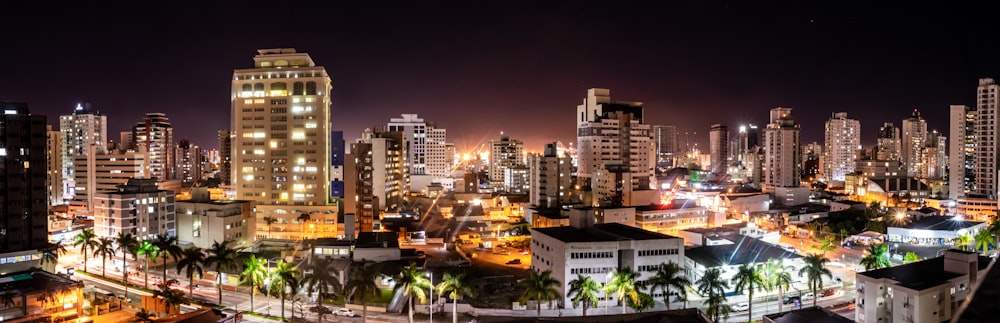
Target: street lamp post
(431, 302)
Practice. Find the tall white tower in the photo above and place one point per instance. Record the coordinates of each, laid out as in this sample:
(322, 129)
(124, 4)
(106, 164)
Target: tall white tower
(961, 150)
(78, 131)
(504, 154)
(914, 138)
(781, 151)
(424, 145)
(987, 123)
(154, 136)
(613, 133)
(843, 140)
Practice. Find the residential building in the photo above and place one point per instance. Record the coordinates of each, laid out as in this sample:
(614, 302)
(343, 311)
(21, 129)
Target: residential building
(504, 153)
(913, 140)
(976, 207)
(613, 133)
(423, 143)
(986, 147)
(515, 179)
(154, 137)
(54, 167)
(102, 172)
(888, 143)
(718, 143)
(935, 158)
(550, 178)
(202, 221)
(673, 217)
(378, 175)
(225, 156)
(665, 139)
(781, 151)
(843, 141)
(24, 210)
(598, 249)
(138, 207)
(813, 161)
(337, 152)
(189, 162)
(79, 130)
(924, 291)
(961, 151)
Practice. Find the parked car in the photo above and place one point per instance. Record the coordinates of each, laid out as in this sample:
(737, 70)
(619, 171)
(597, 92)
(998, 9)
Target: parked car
(827, 293)
(807, 296)
(791, 300)
(503, 252)
(344, 312)
(515, 261)
(525, 252)
(741, 307)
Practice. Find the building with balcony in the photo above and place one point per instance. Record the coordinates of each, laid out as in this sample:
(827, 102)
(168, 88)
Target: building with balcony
(138, 207)
(202, 221)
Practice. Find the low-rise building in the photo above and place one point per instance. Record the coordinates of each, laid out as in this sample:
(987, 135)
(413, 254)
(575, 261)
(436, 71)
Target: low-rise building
(676, 216)
(924, 291)
(138, 207)
(202, 221)
(933, 230)
(729, 257)
(377, 247)
(978, 208)
(37, 295)
(806, 315)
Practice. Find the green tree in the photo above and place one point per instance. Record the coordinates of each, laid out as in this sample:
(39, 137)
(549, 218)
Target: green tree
(539, 287)
(983, 240)
(285, 281)
(254, 272)
(172, 298)
(168, 248)
(814, 270)
(876, 257)
(747, 279)
(150, 252)
(269, 221)
(963, 241)
(362, 284)
(623, 284)
(910, 257)
(321, 279)
(776, 276)
(191, 261)
(412, 282)
(642, 303)
(223, 258)
(583, 290)
(669, 277)
(457, 284)
(994, 230)
(127, 244)
(714, 288)
(87, 241)
(105, 247)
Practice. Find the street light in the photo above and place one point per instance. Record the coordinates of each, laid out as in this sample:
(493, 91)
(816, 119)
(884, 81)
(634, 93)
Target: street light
(431, 302)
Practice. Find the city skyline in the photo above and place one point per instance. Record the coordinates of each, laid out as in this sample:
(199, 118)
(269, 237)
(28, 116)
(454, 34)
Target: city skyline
(519, 68)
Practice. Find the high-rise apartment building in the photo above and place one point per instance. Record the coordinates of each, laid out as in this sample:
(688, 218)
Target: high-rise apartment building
(718, 142)
(78, 131)
(887, 145)
(154, 137)
(961, 151)
(913, 141)
(54, 166)
(665, 139)
(189, 162)
(813, 160)
(23, 209)
(843, 140)
(102, 172)
(337, 151)
(987, 149)
(280, 140)
(550, 178)
(138, 207)
(424, 145)
(225, 156)
(935, 157)
(379, 175)
(504, 154)
(781, 151)
(613, 133)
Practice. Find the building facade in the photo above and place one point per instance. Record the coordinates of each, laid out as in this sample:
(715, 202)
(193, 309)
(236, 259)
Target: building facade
(665, 139)
(987, 125)
(78, 131)
(887, 144)
(843, 141)
(504, 154)
(23, 199)
(202, 221)
(913, 141)
(138, 207)
(718, 142)
(550, 177)
(781, 151)
(424, 145)
(54, 167)
(613, 133)
(961, 151)
(103, 172)
(190, 159)
(154, 137)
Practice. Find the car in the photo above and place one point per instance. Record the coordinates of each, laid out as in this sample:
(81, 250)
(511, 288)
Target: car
(516, 261)
(837, 279)
(791, 300)
(525, 252)
(501, 252)
(741, 307)
(827, 293)
(807, 296)
(344, 312)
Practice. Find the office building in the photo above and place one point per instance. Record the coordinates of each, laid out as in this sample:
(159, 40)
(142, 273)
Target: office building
(781, 151)
(935, 158)
(913, 141)
(424, 144)
(139, 207)
(379, 176)
(24, 209)
(102, 172)
(665, 139)
(888, 142)
(718, 142)
(613, 133)
(987, 124)
(190, 160)
(504, 154)
(961, 151)
(81, 129)
(550, 177)
(843, 141)
(153, 136)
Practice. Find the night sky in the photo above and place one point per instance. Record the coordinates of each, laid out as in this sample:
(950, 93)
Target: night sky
(481, 67)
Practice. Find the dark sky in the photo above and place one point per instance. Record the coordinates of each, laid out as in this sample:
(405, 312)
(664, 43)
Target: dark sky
(481, 67)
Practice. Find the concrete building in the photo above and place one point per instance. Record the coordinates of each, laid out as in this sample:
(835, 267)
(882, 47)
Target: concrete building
(933, 230)
(961, 151)
(154, 137)
(424, 144)
(986, 148)
(189, 163)
(843, 141)
(515, 179)
(79, 130)
(935, 158)
(54, 167)
(674, 217)
(550, 178)
(40, 295)
(718, 144)
(24, 210)
(504, 153)
(337, 152)
(226, 156)
(665, 139)
(888, 142)
(613, 133)
(976, 207)
(102, 172)
(924, 291)
(378, 176)
(281, 120)
(138, 207)
(781, 151)
(598, 249)
(813, 161)
(202, 221)
(743, 250)
(913, 141)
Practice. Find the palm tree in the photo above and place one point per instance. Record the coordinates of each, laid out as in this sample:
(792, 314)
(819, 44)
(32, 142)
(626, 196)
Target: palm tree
(668, 277)
(172, 298)
(748, 278)
(254, 272)
(269, 221)
(623, 283)
(52, 252)
(285, 281)
(983, 240)
(584, 290)
(147, 249)
(411, 281)
(143, 316)
(963, 241)
(105, 247)
(192, 259)
(126, 243)
(994, 230)
(776, 276)
(877, 257)
(304, 217)
(814, 271)
(910, 257)
(714, 288)
(321, 279)
(456, 284)
(168, 248)
(86, 240)
(362, 284)
(540, 287)
(224, 258)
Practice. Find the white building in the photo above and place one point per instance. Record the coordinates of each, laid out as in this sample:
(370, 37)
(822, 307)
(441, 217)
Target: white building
(913, 140)
(78, 131)
(987, 148)
(54, 167)
(933, 230)
(139, 208)
(887, 144)
(782, 167)
(671, 218)
(202, 221)
(961, 150)
(976, 208)
(424, 145)
(613, 133)
(103, 172)
(154, 137)
(190, 160)
(924, 291)
(504, 153)
(843, 140)
(599, 249)
(550, 178)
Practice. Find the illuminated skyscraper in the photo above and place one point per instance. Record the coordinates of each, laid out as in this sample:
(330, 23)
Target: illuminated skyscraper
(781, 151)
(718, 143)
(154, 137)
(961, 151)
(987, 148)
(914, 138)
(78, 131)
(613, 134)
(843, 140)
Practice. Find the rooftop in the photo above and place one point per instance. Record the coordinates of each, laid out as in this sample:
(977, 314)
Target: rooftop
(377, 240)
(677, 204)
(601, 233)
(942, 223)
(33, 280)
(810, 315)
(690, 315)
(922, 274)
(744, 250)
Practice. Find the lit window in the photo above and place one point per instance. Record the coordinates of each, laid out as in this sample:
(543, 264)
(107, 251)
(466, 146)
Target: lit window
(310, 125)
